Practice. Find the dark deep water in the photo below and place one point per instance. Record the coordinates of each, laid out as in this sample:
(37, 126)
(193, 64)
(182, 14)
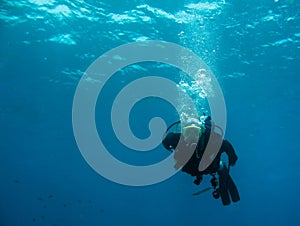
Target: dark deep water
(251, 46)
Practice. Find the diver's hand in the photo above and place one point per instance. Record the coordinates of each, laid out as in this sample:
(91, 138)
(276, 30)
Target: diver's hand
(198, 180)
(232, 162)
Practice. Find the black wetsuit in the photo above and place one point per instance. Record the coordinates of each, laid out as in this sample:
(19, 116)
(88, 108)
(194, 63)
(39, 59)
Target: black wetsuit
(226, 184)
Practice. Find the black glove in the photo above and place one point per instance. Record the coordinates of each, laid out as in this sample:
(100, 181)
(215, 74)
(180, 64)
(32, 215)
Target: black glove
(233, 160)
(198, 180)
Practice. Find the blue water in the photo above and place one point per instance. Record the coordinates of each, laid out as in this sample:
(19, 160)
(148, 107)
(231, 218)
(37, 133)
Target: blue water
(253, 49)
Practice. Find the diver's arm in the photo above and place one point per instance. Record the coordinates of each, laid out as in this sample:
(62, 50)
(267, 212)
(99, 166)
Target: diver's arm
(232, 157)
(171, 140)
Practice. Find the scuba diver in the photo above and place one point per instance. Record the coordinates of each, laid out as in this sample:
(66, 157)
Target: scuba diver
(194, 138)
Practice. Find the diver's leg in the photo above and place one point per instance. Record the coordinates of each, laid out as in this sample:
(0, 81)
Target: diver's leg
(234, 193)
(223, 188)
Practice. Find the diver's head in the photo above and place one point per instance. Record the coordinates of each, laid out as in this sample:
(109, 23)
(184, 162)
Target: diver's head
(192, 131)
